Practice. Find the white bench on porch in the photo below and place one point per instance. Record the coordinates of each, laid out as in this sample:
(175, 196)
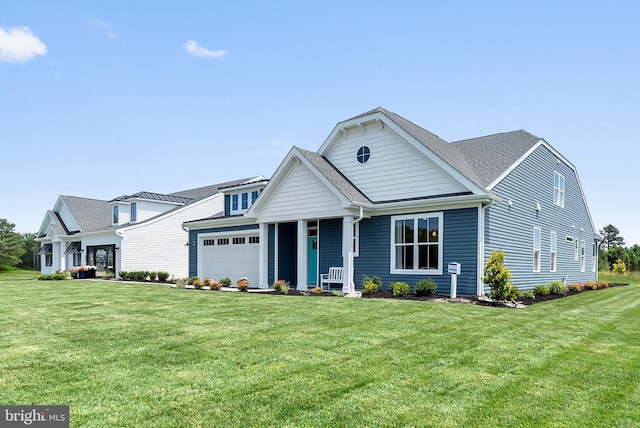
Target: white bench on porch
(334, 276)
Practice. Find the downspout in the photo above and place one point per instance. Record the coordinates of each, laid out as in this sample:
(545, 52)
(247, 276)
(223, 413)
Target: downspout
(352, 285)
(481, 227)
(119, 233)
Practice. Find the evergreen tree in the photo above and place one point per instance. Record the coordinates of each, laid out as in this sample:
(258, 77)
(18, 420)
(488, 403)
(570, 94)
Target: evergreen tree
(11, 244)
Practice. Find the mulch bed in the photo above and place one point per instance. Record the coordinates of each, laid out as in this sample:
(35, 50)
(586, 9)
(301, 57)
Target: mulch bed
(445, 298)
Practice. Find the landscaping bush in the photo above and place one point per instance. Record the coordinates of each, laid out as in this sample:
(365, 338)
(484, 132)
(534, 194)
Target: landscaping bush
(109, 275)
(191, 280)
(317, 290)
(591, 285)
(123, 274)
(279, 283)
(529, 294)
(425, 287)
(226, 282)
(576, 286)
(512, 293)
(215, 285)
(197, 283)
(399, 288)
(541, 290)
(557, 287)
(153, 276)
(138, 275)
(243, 284)
(497, 276)
(371, 285)
(284, 288)
(602, 284)
(206, 282)
(163, 276)
(56, 276)
(619, 268)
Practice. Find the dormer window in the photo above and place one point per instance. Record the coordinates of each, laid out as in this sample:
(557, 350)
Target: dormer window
(254, 196)
(234, 202)
(245, 201)
(116, 216)
(134, 212)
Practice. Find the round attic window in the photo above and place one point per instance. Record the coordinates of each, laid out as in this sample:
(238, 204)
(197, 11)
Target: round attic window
(363, 154)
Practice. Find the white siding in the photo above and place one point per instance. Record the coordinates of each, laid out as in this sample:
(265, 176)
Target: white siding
(396, 169)
(67, 218)
(301, 194)
(147, 209)
(159, 245)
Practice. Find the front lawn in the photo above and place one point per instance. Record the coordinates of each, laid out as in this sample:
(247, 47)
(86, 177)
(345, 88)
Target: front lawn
(132, 355)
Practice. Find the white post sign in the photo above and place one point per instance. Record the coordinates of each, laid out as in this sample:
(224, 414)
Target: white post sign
(454, 271)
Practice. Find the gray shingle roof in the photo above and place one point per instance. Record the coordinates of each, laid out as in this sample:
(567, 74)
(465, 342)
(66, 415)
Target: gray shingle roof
(90, 214)
(335, 177)
(492, 155)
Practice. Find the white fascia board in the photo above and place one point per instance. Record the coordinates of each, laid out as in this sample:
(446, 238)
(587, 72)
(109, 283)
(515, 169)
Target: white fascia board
(219, 222)
(333, 137)
(256, 182)
(444, 203)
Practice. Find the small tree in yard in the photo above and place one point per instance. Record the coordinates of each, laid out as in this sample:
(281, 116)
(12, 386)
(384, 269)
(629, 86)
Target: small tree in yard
(497, 276)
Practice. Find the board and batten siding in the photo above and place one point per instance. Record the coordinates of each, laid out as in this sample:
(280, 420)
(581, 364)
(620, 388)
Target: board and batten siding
(194, 237)
(301, 195)
(460, 244)
(159, 244)
(396, 169)
(511, 227)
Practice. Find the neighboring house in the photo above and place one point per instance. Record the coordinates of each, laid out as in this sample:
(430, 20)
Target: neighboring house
(142, 231)
(383, 196)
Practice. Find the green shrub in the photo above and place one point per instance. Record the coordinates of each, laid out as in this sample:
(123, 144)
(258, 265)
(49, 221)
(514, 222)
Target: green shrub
(425, 287)
(56, 276)
(206, 282)
(497, 276)
(512, 293)
(191, 280)
(317, 290)
(619, 267)
(371, 285)
(226, 282)
(279, 283)
(557, 287)
(123, 274)
(399, 288)
(108, 275)
(541, 290)
(153, 275)
(284, 288)
(529, 294)
(197, 283)
(163, 276)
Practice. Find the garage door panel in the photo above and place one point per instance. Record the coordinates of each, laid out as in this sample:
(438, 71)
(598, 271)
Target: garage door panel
(232, 260)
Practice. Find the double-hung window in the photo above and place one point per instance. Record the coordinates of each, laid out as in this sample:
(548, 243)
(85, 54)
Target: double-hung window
(416, 242)
(234, 202)
(245, 200)
(553, 249)
(594, 258)
(558, 189)
(116, 215)
(254, 196)
(537, 238)
(134, 211)
(583, 257)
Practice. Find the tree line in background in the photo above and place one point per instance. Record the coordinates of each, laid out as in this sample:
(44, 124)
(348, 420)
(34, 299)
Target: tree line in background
(21, 250)
(612, 248)
(17, 250)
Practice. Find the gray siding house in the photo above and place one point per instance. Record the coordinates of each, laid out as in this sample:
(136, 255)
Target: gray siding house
(385, 197)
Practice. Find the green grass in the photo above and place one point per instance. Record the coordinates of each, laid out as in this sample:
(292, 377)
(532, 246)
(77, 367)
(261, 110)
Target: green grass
(134, 355)
(627, 278)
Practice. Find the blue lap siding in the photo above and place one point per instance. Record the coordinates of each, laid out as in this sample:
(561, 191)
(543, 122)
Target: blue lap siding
(330, 244)
(460, 235)
(287, 252)
(511, 227)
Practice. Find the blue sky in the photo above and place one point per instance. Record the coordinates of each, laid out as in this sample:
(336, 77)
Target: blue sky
(103, 98)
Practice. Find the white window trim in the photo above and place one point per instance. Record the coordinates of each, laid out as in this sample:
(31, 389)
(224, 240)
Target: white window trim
(553, 252)
(539, 249)
(560, 190)
(115, 214)
(583, 256)
(415, 270)
(576, 249)
(594, 257)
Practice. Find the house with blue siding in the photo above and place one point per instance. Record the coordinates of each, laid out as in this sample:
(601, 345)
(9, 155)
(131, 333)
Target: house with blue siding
(384, 197)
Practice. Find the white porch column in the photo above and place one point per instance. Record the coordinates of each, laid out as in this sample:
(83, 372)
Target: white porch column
(347, 254)
(58, 255)
(263, 276)
(302, 255)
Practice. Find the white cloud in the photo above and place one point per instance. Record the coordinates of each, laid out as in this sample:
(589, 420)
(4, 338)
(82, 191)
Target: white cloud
(19, 45)
(195, 50)
(99, 23)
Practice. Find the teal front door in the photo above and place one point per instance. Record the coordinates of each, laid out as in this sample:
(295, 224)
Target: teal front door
(312, 260)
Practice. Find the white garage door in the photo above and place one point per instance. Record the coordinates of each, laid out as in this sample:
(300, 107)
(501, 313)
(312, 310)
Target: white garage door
(234, 256)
